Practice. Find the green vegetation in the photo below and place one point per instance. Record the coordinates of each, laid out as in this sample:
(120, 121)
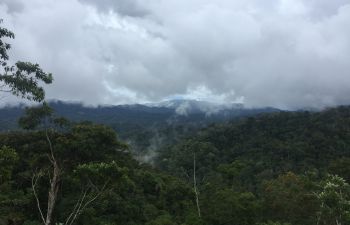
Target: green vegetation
(272, 169)
(23, 78)
(269, 168)
(94, 166)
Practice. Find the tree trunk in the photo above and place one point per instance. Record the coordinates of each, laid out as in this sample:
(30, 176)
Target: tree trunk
(52, 197)
(54, 183)
(195, 185)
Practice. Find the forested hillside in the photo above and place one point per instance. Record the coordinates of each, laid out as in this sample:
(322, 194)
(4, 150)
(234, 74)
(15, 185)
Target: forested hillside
(144, 127)
(267, 167)
(285, 141)
(279, 168)
(132, 117)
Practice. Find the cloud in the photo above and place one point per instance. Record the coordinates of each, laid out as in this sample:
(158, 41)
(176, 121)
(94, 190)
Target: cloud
(202, 93)
(286, 53)
(12, 6)
(132, 8)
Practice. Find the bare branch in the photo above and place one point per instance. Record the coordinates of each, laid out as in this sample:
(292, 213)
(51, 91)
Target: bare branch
(96, 196)
(35, 179)
(76, 208)
(50, 146)
(81, 205)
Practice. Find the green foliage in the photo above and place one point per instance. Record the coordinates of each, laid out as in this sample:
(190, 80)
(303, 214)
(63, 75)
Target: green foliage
(179, 160)
(290, 198)
(35, 116)
(4, 33)
(341, 167)
(268, 170)
(11, 199)
(162, 220)
(334, 200)
(23, 79)
(8, 160)
(273, 223)
(31, 223)
(94, 164)
(278, 158)
(275, 143)
(229, 207)
(99, 171)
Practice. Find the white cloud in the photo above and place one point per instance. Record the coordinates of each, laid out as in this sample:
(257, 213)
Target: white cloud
(286, 53)
(202, 93)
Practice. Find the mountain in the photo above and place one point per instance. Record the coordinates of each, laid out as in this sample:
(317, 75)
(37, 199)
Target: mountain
(144, 127)
(187, 107)
(175, 111)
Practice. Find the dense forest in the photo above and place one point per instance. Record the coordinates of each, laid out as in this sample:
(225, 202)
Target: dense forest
(269, 167)
(98, 181)
(279, 168)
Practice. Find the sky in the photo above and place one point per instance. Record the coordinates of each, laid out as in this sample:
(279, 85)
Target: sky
(283, 53)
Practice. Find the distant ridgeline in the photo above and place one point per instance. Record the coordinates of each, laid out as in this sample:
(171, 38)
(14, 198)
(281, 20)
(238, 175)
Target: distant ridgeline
(179, 111)
(143, 126)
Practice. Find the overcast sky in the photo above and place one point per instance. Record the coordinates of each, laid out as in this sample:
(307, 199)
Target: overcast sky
(282, 53)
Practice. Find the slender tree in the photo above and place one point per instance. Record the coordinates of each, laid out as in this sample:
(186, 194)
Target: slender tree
(22, 79)
(195, 185)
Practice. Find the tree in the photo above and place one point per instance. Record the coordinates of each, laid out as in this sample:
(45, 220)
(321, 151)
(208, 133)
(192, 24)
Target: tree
(94, 178)
(334, 200)
(8, 158)
(33, 118)
(341, 167)
(22, 79)
(93, 175)
(226, 206)
(273, 223)
(289, 198)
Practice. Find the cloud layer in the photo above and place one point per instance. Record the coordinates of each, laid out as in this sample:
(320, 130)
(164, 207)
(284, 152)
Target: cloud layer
(286, 53)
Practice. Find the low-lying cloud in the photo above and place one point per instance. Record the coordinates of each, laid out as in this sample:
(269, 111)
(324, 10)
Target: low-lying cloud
(286, 53)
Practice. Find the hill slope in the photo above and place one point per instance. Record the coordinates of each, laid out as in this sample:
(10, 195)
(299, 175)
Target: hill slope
(144, 127)
(280, 141)
(279, 160)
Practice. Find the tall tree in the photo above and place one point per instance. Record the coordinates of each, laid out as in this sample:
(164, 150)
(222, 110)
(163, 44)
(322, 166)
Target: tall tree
(22, 79)
(33, 118)
(91, 175)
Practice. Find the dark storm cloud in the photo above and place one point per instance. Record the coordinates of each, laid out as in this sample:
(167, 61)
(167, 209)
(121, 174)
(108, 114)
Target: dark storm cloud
(286, 53)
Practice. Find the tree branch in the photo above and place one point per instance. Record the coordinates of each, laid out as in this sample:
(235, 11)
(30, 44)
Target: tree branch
(77, 206)
(34, 182)
(81, 205)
